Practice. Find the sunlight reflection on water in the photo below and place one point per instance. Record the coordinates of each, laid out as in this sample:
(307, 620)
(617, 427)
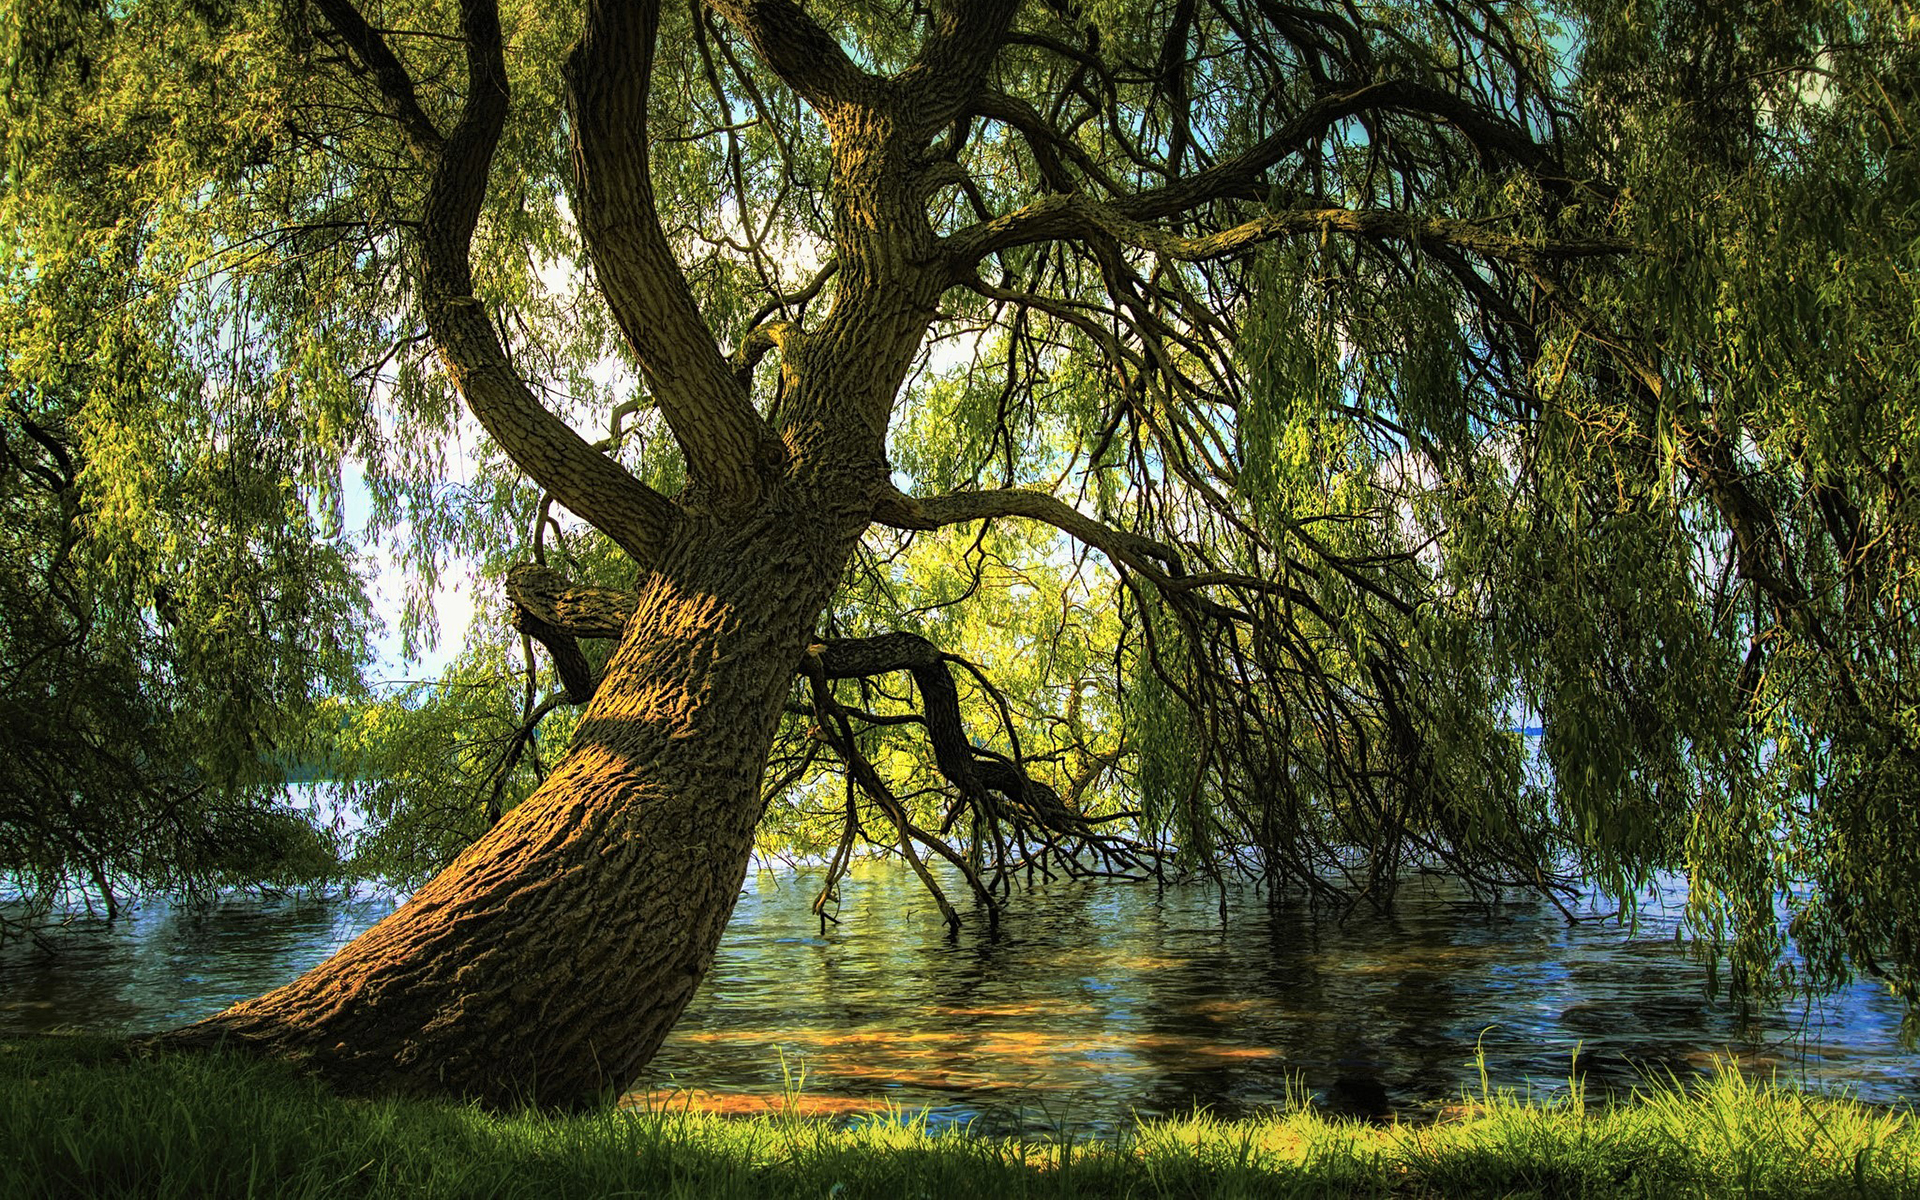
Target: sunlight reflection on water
(1097, 1001)
(1094, 1002)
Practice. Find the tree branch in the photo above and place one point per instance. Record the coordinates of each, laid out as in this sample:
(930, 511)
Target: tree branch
(1059, 217)
(1045, 142)
(1078, 217)
(947, 73)
(1239, 176)
(636, 517)
(797, 299)
(393, 79)
(774, 335)
(1033, 808)
(834, 726)
(804, 56)
(1156, 562)
(907, 512)
(727, 446)
(568, 608)
(569, 662)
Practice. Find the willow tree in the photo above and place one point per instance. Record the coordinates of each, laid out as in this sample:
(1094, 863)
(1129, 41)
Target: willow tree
(140, 754)
(1366, 355)
(170, 613)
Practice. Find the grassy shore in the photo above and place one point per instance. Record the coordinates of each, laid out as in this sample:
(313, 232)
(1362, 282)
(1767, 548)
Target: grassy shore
(81, 1117)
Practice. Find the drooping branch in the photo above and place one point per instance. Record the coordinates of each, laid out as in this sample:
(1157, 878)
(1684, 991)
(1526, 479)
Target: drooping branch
(1240, 177)
(1154, 561)
(727, 446)
(792, 300)
(834, 725)
(909, 512)
(998, 789)
(390, 75)
(1010, 808)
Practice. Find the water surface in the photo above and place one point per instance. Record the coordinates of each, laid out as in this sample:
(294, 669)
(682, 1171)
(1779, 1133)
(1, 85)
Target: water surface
(1093, 1003)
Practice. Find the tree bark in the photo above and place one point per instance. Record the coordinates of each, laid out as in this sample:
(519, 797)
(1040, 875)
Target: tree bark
(548, 962)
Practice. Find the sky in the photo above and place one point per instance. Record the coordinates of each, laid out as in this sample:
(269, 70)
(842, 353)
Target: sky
(452, 602)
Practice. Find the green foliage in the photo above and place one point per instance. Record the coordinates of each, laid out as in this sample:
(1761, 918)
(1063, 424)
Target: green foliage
(85, 1118)
(1766, 153)
(156, 670)
(172, 607)
(430, 767)
(1631, 468)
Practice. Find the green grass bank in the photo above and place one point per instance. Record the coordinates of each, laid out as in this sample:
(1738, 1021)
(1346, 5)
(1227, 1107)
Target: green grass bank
(81, 1117)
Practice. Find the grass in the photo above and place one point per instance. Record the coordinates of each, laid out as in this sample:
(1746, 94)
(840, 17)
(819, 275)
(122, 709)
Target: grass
(81, 1117)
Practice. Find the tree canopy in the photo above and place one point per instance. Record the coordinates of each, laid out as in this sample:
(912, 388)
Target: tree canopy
(1222, 429)
(171, 610)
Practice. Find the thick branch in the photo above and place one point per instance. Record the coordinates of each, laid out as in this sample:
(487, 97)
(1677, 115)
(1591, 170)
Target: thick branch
(556, 616)
(949, 69)
(577, 611)
(1078, 217)
(546, 447)
(795, 47)
(774, 335)
(727, 445)
(393, 79)
(1239, 176)
(576, 673)
(1156, 562)
(1141, 554)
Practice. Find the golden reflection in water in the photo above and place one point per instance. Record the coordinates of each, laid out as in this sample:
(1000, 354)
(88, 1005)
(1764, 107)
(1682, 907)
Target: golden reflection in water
(1141, 964)
(749, 1104)
(1037, 1008)
(1401, 960)
(1109, 1000)
(1020, 1046)
(1221, 1009)
(1033, 1060)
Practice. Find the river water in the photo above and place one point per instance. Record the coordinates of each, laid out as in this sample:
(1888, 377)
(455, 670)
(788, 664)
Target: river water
(1094, 1002)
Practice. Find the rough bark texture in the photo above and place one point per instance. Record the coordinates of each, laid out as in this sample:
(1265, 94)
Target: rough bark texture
(548, 962)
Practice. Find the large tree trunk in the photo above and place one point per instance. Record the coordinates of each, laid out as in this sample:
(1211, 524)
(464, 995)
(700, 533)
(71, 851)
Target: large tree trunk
(549, 961)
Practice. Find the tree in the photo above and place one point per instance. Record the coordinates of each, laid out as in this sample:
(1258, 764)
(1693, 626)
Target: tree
(1378, 359)
(160, 652)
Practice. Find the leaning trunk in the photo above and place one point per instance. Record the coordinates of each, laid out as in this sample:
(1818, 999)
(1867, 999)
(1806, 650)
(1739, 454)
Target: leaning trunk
(549, 961)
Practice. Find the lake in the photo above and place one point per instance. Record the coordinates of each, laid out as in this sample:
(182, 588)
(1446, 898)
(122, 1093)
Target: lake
(1093, 1003)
